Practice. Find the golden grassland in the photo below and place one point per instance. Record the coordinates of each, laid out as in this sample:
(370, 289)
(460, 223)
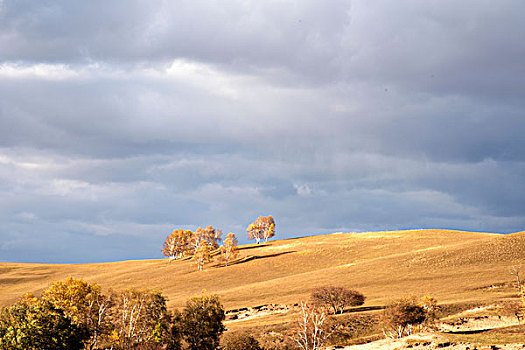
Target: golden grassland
(453, 266)
(507, 335)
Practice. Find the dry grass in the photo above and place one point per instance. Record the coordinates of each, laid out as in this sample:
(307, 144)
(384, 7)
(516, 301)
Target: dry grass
(453, 266)
(507, 335)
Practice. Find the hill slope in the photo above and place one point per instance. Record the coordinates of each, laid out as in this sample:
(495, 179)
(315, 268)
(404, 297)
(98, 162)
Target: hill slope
(452, 265)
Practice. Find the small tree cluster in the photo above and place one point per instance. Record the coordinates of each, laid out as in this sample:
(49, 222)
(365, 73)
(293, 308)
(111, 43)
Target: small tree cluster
(181, 243)
(262, 228)
(336, 298)
(74, 315)
(403, 316)
(199, 245)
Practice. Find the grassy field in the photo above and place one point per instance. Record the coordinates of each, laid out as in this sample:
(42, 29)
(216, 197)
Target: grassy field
(453, 266)
(513, 334)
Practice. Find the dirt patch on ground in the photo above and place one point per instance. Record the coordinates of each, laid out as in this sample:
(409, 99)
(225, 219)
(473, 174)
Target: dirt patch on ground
(249, 313)
(467, 323)
(429, 341)
(477, 323)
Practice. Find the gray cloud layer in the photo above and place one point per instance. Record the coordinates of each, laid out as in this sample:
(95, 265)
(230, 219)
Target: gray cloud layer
(121, 122)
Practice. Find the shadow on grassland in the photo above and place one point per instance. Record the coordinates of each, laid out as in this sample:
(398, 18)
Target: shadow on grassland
(251, 257)
(364, 308)
(473, 331)
(254, 246)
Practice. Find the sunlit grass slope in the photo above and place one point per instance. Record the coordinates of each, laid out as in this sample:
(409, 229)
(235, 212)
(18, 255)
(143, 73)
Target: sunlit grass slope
(451, 265)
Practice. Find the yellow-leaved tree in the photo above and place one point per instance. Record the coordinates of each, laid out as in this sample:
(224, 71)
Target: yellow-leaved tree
(202, 254)
(177, 244)
(83, 303)
(229, 249)
(262, 228)
(210, 235)
(137, 317)
(199, 244)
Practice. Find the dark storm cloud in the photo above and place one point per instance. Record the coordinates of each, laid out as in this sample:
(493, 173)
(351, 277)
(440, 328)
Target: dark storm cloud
(121, 121)
(441, 47)
(129, 31)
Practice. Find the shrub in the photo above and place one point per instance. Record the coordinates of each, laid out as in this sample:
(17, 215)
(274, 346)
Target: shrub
(336, 298)
(401, 316)
(431, 307)
(277, 341)
(350, 328)
(514, 309)
(239, 341)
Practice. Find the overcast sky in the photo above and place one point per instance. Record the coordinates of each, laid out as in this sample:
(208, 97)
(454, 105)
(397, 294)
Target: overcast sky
(123, 120)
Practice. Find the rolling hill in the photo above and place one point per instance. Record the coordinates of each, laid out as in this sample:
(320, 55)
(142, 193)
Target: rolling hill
(453, 266)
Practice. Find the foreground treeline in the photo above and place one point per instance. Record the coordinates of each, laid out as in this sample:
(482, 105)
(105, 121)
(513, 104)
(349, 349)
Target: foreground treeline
(74, 315)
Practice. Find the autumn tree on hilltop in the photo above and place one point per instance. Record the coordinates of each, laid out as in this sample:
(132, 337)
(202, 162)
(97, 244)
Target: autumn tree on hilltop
(229, 249)
(210, 235)
(177, 244)
(262, 228)
(203, 242)
(185, 242)
(202, 255)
